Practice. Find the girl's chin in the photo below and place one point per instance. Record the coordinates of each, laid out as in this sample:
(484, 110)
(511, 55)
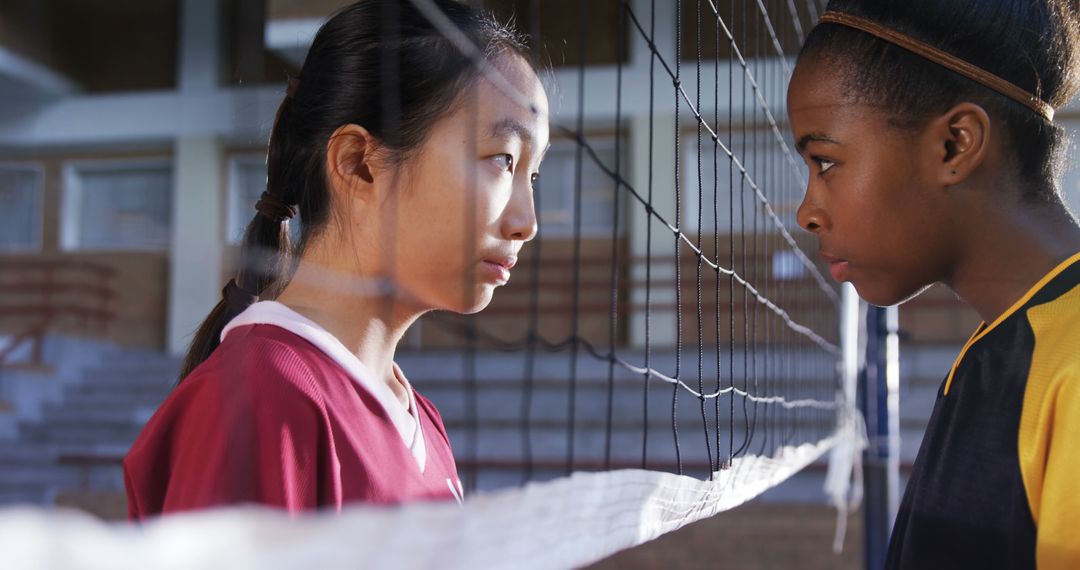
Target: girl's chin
(478, 303)
(886, 297)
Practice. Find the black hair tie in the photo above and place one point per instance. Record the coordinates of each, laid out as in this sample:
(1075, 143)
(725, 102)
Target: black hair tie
(236, 298)
(272, 208)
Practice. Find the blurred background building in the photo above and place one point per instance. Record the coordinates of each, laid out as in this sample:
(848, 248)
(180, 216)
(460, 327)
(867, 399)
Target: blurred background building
(132, 136)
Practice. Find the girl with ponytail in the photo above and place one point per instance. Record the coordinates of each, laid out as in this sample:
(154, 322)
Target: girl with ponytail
(411, 171)
(935, 157)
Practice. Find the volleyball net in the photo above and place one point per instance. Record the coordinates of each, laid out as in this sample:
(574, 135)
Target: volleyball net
(667, 349)
(668, 316)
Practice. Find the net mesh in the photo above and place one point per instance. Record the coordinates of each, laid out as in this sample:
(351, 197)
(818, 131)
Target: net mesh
(667, 349)
(674, 296)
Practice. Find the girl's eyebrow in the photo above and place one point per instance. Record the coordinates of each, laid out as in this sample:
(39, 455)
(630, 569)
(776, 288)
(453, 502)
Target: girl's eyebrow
(512, 127)
(813, 137)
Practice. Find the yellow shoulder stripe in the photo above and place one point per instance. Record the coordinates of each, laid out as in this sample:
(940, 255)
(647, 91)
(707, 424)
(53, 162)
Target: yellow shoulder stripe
(982, 330)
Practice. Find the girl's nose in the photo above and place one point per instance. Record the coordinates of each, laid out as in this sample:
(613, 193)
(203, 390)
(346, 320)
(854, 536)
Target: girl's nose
(519, 220)
(810, 216)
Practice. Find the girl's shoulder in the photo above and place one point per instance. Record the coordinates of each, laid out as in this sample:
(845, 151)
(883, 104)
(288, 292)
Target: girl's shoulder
(259, 373)
(258, 360)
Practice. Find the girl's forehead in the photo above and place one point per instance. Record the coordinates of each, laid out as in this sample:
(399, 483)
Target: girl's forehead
(816, 85)
(511, 80)
(518, 100)
(820, 101)
(486, 113)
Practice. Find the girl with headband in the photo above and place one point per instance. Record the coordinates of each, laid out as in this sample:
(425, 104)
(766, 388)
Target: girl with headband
(929, 130)
(411, 169)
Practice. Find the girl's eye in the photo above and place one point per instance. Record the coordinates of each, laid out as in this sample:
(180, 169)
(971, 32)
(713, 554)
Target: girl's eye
(505, 161)
(824, 165)
(535, 177)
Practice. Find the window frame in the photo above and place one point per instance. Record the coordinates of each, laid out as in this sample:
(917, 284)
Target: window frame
(599, 142)
(233, 208)
(71, 201)
(39, 240)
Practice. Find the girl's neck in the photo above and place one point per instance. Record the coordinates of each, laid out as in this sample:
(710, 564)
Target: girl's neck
(1008, 252)
(368, 323)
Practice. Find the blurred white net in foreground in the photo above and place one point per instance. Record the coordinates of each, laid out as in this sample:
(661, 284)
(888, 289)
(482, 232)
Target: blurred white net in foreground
(563, 523)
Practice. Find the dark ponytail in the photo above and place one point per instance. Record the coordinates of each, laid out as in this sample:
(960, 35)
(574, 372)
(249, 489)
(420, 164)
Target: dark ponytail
(379, 64)
(1031, 43)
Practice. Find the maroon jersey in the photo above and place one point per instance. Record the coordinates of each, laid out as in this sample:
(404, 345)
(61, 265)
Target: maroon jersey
(282, 414)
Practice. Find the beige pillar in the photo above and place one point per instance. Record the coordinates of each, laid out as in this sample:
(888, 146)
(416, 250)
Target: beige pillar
(195, 264)
(195, 261)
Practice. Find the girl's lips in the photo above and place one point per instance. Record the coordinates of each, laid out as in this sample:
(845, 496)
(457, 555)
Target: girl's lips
(838, 268)
(495, 271)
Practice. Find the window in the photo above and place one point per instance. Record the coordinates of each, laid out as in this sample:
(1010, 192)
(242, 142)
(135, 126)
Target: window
(768, 167)
(21, 189)
(555, 191)
(247, 181)
(117, 205)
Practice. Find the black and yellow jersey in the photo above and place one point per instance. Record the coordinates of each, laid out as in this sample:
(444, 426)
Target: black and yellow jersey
(996, 483)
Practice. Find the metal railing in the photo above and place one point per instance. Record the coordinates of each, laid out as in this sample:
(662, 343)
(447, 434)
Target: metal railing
(37, 295)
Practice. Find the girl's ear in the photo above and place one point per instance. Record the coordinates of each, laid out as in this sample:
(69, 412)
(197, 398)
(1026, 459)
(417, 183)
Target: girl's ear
(960, 139)
(349, 158)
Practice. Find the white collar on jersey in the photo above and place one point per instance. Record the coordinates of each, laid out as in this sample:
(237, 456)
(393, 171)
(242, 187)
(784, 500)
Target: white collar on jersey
(407, 422)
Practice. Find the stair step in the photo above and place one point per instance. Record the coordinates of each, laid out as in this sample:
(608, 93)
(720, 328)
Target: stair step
(108, 400)
(11, 495)
(70, 415)
(133, 394)
(72, 434)
(116, 406)
(21, 453)
(135, 377)
(45, 476)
